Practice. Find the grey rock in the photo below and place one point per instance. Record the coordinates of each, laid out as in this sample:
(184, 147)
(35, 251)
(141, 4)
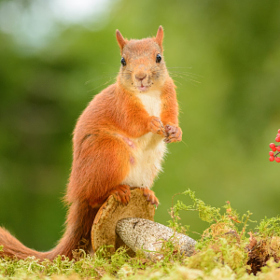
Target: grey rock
(144, 234)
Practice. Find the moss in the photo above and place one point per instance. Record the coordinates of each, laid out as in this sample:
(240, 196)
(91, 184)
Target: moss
(227, 249)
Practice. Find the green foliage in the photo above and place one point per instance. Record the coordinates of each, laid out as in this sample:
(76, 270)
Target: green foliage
(223, 243)
(207, 213)
(221, 253)
(269, 227)
(85, 267)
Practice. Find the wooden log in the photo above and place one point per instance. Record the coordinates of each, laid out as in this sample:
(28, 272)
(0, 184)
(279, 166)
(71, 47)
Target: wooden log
(104, 226)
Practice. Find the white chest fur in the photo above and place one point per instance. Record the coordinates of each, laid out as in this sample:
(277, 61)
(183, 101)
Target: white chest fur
(152, 102)
(150, 148)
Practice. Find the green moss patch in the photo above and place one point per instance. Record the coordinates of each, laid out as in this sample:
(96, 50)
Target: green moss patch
(231, 247)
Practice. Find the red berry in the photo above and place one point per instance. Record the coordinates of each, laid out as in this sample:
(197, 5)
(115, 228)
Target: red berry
(277, 139)
(271, 153)
(271, 158)
(278, 148)
(277, 159)
(278, 130)
(272, 146)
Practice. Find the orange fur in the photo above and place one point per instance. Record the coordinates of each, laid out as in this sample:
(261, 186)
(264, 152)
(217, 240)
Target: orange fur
(110, 137)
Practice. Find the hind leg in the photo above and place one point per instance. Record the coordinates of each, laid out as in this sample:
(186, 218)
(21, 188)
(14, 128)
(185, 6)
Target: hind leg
(99, 168)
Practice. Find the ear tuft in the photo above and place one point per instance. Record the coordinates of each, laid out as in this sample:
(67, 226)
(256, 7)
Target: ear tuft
(159, 37)
(120, 39)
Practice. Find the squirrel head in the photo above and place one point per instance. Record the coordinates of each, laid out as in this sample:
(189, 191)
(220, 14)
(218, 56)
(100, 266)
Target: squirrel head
(142, 64)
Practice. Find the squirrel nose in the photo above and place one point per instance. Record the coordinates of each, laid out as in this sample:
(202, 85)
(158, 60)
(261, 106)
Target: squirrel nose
(140, 76)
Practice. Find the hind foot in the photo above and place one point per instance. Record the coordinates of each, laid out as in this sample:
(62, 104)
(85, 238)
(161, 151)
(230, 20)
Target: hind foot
(151, 197)
(121, 193)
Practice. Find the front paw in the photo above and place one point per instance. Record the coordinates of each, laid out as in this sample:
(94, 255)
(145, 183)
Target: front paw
(150, 196)
(174, 134)
(156, 126)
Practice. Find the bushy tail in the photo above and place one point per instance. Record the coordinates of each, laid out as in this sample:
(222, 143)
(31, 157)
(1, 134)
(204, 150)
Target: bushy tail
(77, 234)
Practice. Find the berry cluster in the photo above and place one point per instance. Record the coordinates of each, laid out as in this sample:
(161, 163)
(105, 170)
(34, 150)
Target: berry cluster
(275, 149)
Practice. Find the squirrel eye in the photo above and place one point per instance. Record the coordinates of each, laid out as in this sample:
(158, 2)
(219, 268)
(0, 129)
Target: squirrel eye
(158, 58)
(123, 62)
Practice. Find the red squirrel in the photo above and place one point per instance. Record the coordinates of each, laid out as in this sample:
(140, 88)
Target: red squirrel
(118, 143)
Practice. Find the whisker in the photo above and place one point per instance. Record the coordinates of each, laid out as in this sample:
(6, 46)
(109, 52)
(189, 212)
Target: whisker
(99, 77)
(107, 82)
(96, 79)
(186, 77)
(177, 82)
(184, 143)
(125, 74)
(189, 67)
(182, 74)
(186, 73)
(157, 71)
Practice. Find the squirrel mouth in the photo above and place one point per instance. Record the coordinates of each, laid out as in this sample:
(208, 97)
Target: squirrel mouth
(142, 88)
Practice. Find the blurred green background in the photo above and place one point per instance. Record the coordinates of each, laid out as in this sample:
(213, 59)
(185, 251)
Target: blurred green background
(56, 55)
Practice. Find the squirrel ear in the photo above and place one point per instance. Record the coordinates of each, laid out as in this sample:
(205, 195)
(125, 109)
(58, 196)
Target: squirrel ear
(120, 39)
(159, 37)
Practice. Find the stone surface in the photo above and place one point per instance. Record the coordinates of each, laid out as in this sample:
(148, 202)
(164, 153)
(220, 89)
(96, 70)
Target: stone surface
(139, 233)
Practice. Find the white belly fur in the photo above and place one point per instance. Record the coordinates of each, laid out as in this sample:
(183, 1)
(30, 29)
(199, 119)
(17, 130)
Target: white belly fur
(149, 150)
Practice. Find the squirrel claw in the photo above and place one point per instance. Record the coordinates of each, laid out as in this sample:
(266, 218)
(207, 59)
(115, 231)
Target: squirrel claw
(157, 127)
(174, 134)
(121, 194)
(151, 197)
